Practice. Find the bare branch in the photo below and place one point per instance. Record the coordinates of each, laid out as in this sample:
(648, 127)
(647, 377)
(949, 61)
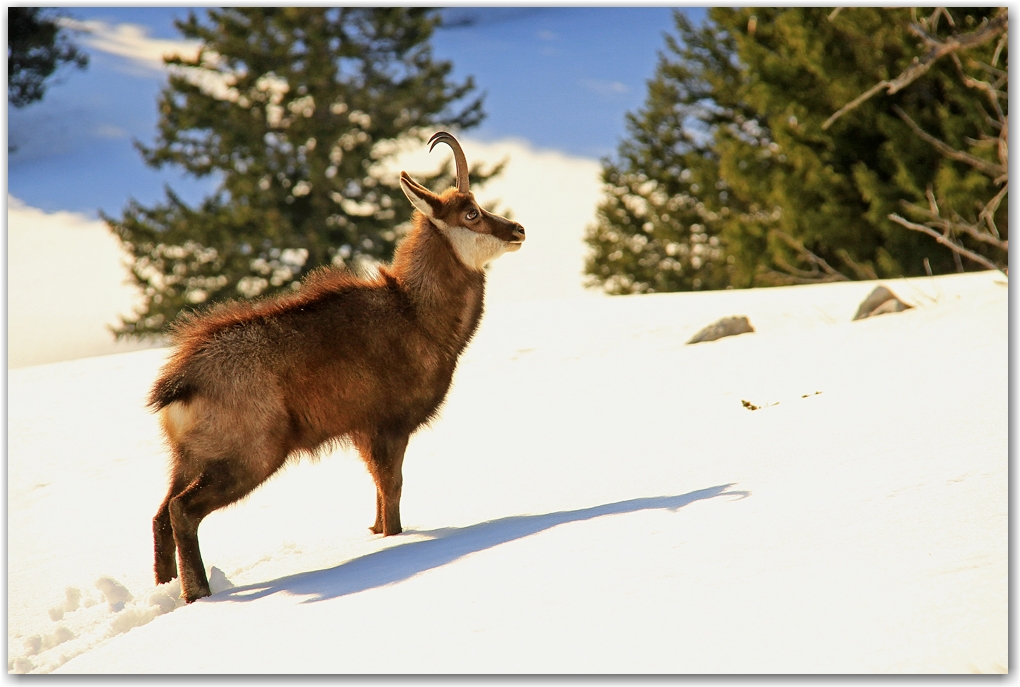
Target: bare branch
(931, 22)
(833, 13)
(799, 276)
(992, 90)
(957, 225)
(986, 32)
(862, 271)
(990, 120)
(815, 261)
(998, 49)
(984, 142)
(1004, 148)
(855, 102)
(988, 213)
(946, 241)
(989, 69)
(977, 163)
(771, 277)
(984, 237)
(930, 193)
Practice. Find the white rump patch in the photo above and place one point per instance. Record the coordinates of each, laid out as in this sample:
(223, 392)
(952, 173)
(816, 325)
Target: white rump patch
(178, 418)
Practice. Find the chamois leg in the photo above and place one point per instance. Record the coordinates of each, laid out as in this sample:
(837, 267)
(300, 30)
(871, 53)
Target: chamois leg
(384, 455)
(378, 526)
(221, 483)
(163, 534)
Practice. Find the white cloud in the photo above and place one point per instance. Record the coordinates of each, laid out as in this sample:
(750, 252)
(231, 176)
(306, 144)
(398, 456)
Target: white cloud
(130, 41)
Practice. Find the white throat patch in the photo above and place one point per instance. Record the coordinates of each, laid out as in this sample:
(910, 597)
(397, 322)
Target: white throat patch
(474, 250)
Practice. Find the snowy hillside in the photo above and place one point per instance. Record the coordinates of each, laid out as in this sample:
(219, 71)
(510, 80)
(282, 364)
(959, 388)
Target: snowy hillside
(594, 498)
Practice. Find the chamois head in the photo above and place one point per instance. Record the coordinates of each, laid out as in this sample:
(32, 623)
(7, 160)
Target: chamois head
(478, 236)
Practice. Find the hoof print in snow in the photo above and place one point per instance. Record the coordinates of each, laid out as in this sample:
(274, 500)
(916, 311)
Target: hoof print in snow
(117, 595)
(727, 326)
(879, 302)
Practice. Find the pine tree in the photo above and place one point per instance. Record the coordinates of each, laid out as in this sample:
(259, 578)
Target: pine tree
(36, 48)
(730, 149)
(292, 110)
(654, 231)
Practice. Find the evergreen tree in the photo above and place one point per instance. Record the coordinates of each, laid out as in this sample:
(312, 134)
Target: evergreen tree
(36, 47)
(658, 227)
(729, 150)
(293, 110)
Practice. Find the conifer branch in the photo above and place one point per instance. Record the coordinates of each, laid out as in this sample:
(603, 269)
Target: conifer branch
(939, 48)
(948, 230)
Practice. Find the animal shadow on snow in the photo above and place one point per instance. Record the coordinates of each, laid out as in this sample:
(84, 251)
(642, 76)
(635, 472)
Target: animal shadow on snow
(401, 562)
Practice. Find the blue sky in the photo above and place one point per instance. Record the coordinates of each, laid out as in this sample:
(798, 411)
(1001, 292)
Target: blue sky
(558, 77)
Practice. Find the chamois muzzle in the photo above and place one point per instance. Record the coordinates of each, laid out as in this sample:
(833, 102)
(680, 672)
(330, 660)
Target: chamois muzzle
(507, 231)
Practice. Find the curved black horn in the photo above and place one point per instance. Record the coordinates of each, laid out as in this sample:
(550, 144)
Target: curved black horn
(458, 156)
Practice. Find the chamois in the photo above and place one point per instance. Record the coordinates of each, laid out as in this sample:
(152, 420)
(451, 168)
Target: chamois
(344, 359)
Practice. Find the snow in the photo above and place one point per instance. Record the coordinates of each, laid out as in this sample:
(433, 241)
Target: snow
(65, 286)
(594, 498)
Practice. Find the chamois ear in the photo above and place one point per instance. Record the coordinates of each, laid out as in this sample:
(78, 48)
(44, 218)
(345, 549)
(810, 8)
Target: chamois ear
(422, 198)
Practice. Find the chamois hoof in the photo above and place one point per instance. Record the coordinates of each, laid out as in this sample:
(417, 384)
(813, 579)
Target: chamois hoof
(189, 598)
(163, 579)
(165, 571)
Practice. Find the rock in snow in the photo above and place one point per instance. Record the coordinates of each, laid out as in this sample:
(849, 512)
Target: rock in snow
(879, 302)
(727, 326)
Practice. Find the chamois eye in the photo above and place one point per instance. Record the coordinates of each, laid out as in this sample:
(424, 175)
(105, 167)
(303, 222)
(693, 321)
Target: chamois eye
(471, 214)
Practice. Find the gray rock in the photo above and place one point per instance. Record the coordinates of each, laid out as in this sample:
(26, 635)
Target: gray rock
(727, 326)
(879, 302)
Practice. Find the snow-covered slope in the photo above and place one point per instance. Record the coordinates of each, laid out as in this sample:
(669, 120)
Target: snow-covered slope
(594, 498)
(66, 284)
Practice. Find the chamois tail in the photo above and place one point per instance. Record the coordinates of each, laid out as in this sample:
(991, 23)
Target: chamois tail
(171, 386)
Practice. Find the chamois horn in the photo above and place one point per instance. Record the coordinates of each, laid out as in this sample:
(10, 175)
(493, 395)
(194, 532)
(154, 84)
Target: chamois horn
(458, 156)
